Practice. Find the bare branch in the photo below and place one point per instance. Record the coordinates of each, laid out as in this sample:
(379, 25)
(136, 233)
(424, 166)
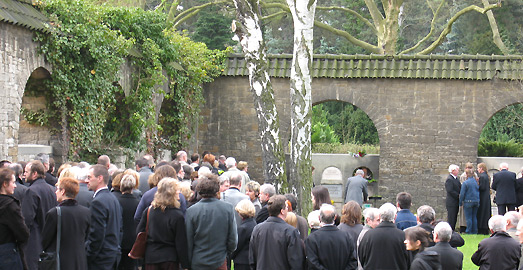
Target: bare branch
(268, 17)
(348, 10)
(448, 27)
(183, 16)
(375, 13)
(495, 32)
(432, 29)
(349, 37)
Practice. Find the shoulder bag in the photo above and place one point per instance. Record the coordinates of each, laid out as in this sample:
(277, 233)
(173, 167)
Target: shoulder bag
(51, 260)
(138, 250)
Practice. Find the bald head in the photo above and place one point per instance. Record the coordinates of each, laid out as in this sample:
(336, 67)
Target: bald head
(327, 214)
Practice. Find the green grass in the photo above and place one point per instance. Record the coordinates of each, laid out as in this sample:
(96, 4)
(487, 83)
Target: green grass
(471, 245)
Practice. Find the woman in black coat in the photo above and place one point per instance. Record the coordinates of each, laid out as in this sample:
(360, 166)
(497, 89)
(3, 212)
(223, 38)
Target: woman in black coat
(129, 202)
(241, 255)
(484, 210)
(166, 238)
(13, 231)
(76, 220)
(416, 240)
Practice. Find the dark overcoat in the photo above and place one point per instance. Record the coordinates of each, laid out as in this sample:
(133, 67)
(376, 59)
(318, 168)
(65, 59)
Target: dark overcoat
(485, 209)
(129, 202)
(330, 248)
(499, 252)
(383, 248)
(241, 254)
(504, 183)
(76, 220)
(449, 257)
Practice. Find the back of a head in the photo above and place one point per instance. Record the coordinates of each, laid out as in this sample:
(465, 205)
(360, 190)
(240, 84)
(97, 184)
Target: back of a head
(187, 170)
(426, 214)
(292, 199)
(268, 189)
(276, 204)
(513, 217)
(242, 165)
(388, 212)
(181, 155)
(359, 172)
(142, 163)
(503, 166)
(195, 157)
(469, 172)
(444, 231)
(245, 208)
(497, 223)
(351, 213)
(321, 196)
(209, 158)
(291, 219)
(128, 183)
(404, 200)
(166, 194)
(17, 168)
(42, 157)
(70, 186)
(235, 179)
(453, 167)
(176, 165)
(208, 185)
(230, 162)
(104, 160)
(160, 173)
(327, 213)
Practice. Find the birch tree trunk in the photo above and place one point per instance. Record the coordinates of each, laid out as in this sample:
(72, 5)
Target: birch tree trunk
(300, 180)
(248, 30)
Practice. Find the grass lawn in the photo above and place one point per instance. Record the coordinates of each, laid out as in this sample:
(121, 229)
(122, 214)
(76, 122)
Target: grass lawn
(471, 245)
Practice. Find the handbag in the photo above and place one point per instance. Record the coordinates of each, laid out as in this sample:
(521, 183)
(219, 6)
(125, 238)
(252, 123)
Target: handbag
(138, 250)
(51, 260)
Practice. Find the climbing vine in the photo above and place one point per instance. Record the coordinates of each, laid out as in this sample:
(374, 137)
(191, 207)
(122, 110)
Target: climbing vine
(87, 47)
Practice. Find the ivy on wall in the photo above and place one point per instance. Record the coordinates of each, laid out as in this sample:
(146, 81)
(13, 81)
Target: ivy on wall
(88, 45)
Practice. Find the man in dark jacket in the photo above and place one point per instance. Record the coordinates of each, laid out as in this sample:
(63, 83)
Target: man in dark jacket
(42, 203)
(426, 216)
(328, 247)
(500, 251)
(274, 243)
(453, 188)
(266, 192)
(105, 235)
(142, 166)
(450, 258)
(504, 183)
(49, 178)
(383, 247)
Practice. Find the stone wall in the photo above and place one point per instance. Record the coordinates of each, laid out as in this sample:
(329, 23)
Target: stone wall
(19, 58)
(423, 125)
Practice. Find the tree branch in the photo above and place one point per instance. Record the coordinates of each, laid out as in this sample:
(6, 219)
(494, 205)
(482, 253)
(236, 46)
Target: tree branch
(448, 27)
(349, 37)
(274, 15)
(348, 10)
(495, 32)
(375, 13)
(183, 16)
(432, 29)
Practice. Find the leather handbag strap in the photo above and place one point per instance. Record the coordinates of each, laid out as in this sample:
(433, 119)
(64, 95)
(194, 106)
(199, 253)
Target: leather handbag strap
(58, 237)
(147, 224)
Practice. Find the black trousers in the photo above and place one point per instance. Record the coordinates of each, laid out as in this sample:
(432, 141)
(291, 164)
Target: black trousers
(452, 216)
(502, 208)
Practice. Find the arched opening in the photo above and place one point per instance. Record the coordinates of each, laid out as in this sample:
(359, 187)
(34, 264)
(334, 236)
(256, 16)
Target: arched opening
(502, 135)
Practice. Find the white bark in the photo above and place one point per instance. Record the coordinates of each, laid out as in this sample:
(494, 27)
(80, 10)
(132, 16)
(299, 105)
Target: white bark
(301, 101)
(249, 33)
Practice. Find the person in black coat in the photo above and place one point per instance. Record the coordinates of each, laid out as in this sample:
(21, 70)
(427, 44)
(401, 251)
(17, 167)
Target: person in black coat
(129, 202)
(383, 247)
(329, 247)
(453, 188)
(167, 235)
(266, 192)
(241, 255)
(450, 258)
(76, 220)
(105, 235)
(13, 231)
(500, 250)
(504, 183)
(42, 203)
(416, 240)
(426, 218)
(485, 209)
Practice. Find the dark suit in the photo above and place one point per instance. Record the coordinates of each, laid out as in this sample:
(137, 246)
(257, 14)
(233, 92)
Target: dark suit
(105, 235)
(330, 248)
(44, 200)
(50, 179)
(129, 202)
(499, 252)
(383, 248)
(453, 188)
(450, 258)
(504, 183)
(85, 196)
(455, 240)
(263, 214)
(241, 255)
(76, 220)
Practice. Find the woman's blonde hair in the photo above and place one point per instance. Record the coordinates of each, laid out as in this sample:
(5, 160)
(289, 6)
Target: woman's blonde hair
(166, 194)
(245, 208)
(185, 189)
(291, 219)
(134, 174)
(161, 173)
(128, 183)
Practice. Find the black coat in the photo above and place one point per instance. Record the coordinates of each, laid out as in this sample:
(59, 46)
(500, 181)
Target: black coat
(241, 254)
(129, 202)
(519, 191)
(167, 236)
(426, 260)
(105, 235)
(76, 220)
(84, 196)
(383, 248)
(449, 257)
(485, 209)
(331, 248)
(453, 188)
(455, 240)
(12, 227)
(504, 183)
(50, 179)
(44, 201)
(263, 214)
(499, 252)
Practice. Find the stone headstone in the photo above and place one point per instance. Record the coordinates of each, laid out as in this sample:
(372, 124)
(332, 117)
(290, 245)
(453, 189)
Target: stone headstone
(332, 179)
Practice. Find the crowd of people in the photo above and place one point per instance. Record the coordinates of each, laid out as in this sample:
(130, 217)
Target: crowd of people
(209, 214)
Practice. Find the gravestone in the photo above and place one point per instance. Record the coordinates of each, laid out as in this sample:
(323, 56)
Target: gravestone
(332, 179)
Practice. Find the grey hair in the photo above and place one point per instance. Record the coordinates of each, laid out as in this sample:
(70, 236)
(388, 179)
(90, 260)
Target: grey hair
(360, 172)
(42, 157)
(388, 212)
(327, 213)
(503, 165)
(17, 168)
(444, 231)
(81, 173)
(222, 178)
(371, 213)
(235, 179)
(127, 183)
(230, 162)
(513, 217)
(497, 223)
(453, 167)
(426, 214)
(268, 189)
